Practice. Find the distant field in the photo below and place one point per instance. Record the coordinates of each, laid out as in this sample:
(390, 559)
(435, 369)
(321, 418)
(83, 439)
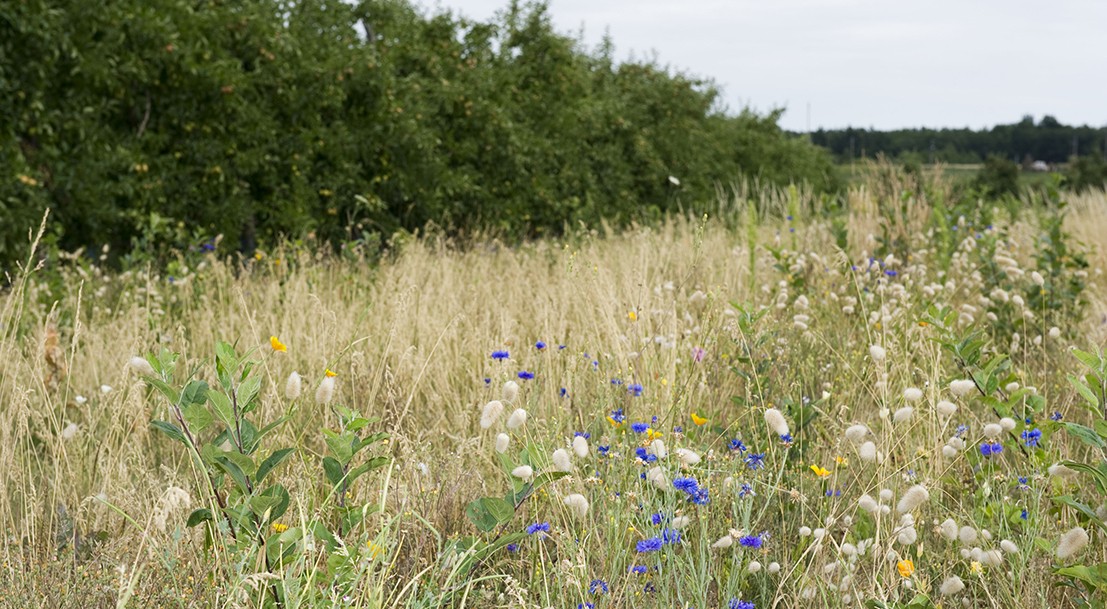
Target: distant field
(956, 174)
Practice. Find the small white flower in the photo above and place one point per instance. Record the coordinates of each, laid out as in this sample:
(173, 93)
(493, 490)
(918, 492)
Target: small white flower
(962, 387)
(105, 389)
(877, 353)
(511, 391)
(912, 394)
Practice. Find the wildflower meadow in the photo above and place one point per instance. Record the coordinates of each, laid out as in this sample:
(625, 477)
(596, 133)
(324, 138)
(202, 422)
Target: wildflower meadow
(899, 402)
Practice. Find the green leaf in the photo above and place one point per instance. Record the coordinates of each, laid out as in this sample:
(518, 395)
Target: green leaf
(197, 416)
(1094, 575)
(247, 392)
(223, 408)
(273, 460)
(1098, 474)
(199, 516)
(501, 510)
(272, 501)
(270, 427)
(170, 430)
(165, 389)
(371, 464)
(340, 444)
(1085, 435)
(333, 470)
(480, 516)
(1070, 501)
(195, 392)
(1090, 360)
(1092, 403)
(370, 439)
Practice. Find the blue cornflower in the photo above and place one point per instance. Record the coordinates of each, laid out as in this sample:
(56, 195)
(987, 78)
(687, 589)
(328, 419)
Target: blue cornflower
(649, 588)
(657, 518)
(637, 569)
(487, 381)
(700, 496)
(634, 389)
(618, 416)
(737, 445)
(208, 246)
(643, 455)
(989, 450)
(598, 584)
(500, 355)
(526, 375)
(543, 527)
(560, 347)
(583, 434)
(639, 427)
(961, 430)
(512, 547)
(563, 392)
(669, 536)
(688, 485)
(746, 490)
(786, 438)
(1024, 483)
(891, 273)
(678, 429)
(755, 461)
(603, 450)
(1031, 438)
(750, 541)
(1025, 514)
(616, 382)
(1056, 416)
(651, 544)
(833, 492)
(737, 604)
(540, 345)
(595, 364)
(586, 605)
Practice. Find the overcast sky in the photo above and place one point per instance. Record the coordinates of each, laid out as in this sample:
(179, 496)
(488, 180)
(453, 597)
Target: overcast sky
(867, 63)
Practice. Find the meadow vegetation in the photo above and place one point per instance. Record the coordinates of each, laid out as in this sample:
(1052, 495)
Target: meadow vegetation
(899, 403)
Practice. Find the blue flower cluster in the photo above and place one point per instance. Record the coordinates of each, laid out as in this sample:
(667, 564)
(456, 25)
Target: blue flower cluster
(991, 449)
(1032, 437)
(635, 389)
(696, 494)
(538, 527)
(751, 541)
(755, 461)
(526, 375)
(618, 416)
(644, 456)
(500, 355)
(639, 427)
(739, 604)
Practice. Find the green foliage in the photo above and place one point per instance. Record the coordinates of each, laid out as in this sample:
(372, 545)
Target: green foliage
(1087, 172)
(150, 126)
(998, 177)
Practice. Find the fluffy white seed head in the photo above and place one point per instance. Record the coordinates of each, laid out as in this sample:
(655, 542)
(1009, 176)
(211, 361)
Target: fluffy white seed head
(949, 452)
(886, 495)
(951, 585)
(657, 448)
(580, 447)
(1071, 543)
(681, 522)
(723, 542)
(491, 414)
(868, 452)
(1009, 546)
(1007, 423)
(657, 477)
(805, 531)
(70, 431)
(1060, 470)
(754, 566)
(991, 558)
(967, 535)
(903, 414)
(993, 430)
(511, 391)
(1037, 278)
(957, 443)
(949, 529)
(868, 504)
(946, 408)
(517, 419)
(686, 456)
(141, 366)
(325, 392)
(561, 461)
(578, 505)
(523, 472)
(293, 386)
(502, 442)
(776, 422)
(912, 394)
(856, 433)
(907, 536)
(1055, 332)
(877, 353)
(774, 567)
(962, 387)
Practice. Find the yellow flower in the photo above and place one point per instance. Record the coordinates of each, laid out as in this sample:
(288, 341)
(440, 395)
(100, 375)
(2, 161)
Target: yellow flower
(820, 472)
(976, 568)
(840, 460)
(277, 344)
(632, 316)
(330, 372)
(652, 434)
(279, 527)
(613, 422)
(698, 420)
(374, 549)
(905, 568)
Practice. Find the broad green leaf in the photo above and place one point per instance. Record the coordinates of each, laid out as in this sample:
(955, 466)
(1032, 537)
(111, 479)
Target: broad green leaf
(1086, 435)
(1090, 360)
(198, 516)
(273, 460)
(165, 389)
(270, 427)
(247, 392)
(1094, 575)
(333, 470)
(371, 464)
(170, 430)
(1098, 474)
(1091, 402)
(370, 439)
(195, 392)
(480, 516)
(197, 416)
(223, 409)
(340, 444)
(501, 510)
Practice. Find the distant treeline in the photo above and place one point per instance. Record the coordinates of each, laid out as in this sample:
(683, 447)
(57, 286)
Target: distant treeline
(156, 124)
(1023, 142)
